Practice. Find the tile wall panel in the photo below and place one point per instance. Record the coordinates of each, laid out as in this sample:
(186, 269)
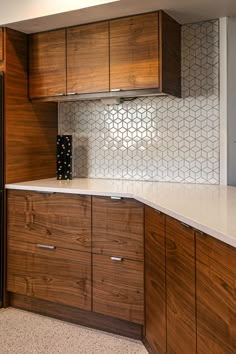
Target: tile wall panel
(155, 138)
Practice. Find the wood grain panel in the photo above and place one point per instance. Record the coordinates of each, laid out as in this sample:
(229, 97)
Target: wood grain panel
(180, 288)
(61, 276)
(134, 51)
(155, 284)
(47, 66)
(30, 129)
(75, 315)
(118, 288)
(170, 59)
(88, 58)
(1, 44)
(118, 227)
(216, 296)
(60, 219)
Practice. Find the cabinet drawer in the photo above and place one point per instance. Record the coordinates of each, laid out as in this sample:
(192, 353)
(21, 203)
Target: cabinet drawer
(57, 275)
(118, 227)
(118, 288)
(63, 220)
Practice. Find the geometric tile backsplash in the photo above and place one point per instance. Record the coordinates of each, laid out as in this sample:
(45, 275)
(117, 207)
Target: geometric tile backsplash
(155, 138)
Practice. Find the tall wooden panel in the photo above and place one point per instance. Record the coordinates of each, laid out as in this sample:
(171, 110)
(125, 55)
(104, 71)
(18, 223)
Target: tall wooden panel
(47, 64)
(88, 58)
(180, 288)
(216, 296)
(30, 128)
(155, 284)
(134, 52)
(1, 44)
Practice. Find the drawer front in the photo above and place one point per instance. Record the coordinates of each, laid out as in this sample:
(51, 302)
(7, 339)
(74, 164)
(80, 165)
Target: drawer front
(57, 275)
(118, 227)
(118, 288)
(52, 218)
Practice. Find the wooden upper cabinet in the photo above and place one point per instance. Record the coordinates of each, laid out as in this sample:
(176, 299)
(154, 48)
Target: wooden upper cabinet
(155, 282)
(216, 296)
(134, 52)
(1, 44)
(47, 69)
(88, 58)
(180, 288)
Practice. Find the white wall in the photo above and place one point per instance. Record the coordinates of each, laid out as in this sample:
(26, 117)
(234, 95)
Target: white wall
(15, 10)
(231, 100)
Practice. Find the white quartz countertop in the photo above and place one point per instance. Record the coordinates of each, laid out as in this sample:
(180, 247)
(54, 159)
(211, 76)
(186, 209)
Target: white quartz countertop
(208, 208)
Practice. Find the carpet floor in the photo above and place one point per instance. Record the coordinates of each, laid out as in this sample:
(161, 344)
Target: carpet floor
(23, 332)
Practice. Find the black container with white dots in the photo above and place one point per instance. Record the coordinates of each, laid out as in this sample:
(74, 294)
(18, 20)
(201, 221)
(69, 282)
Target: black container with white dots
(64, 157)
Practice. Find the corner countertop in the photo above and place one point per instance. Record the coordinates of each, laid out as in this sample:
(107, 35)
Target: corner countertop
(208, 208)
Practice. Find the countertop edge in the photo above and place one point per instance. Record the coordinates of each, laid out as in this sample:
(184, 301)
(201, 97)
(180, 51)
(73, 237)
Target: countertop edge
(196, 225)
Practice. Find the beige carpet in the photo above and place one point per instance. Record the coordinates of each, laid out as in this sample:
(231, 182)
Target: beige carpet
(22, 332)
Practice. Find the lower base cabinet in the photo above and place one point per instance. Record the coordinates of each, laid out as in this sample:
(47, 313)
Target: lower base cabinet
(216, 296)
(118, 288)
(54, 274)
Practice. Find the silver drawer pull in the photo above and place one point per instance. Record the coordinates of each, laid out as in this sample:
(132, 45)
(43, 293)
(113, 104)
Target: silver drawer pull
(157, 211)
(185, 225)
(116, 198)
(46, 247)
(117, 259)
(115, 90)
(71, 93)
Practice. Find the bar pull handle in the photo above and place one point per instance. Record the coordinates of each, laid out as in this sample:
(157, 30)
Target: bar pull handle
(115, 90)
(117, 259)
(185, 225)
(71, 93)
(46, 247)
(158, 211)
(116, 198)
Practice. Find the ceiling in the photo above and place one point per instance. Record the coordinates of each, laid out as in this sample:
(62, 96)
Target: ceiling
(184, 11)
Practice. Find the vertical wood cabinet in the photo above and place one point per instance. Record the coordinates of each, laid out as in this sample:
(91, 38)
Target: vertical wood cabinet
(47, 64)
(118, 247)
(134, 52)
(216, 296)
(88, 58)
(180, 287)
(1, 44)
(155, 282)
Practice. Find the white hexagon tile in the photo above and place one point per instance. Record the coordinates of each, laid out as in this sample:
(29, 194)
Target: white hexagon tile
(155, 138)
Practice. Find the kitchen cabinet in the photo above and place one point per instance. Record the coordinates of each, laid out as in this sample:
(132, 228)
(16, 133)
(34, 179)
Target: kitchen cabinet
(117, 228)
(155, 282)
(118, 252)
(49, 272)
(134, 52)
(216, 296)
(51, 218)
(47, 64)
(88, 58)
(180, 287)
(1, 44)
(129, 54)
(118, 288)
(45, 244)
